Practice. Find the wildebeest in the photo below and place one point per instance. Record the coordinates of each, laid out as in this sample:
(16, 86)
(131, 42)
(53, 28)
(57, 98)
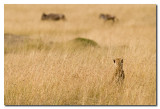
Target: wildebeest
(106, 17)
(53, 16)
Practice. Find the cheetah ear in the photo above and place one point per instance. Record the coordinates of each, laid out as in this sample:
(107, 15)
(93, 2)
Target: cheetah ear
(114, 60)
(122, 61)
(44, 14)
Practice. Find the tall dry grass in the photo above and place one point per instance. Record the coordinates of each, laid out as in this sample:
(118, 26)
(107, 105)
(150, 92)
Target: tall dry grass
(44, 68)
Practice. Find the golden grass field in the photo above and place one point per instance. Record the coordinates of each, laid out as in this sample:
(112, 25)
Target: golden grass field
(44, 65)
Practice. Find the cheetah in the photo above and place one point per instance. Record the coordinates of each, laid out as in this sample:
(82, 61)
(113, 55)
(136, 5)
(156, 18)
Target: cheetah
(119, 75)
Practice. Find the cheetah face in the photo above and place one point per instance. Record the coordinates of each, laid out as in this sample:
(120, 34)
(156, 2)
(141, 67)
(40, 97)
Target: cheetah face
(118, 62)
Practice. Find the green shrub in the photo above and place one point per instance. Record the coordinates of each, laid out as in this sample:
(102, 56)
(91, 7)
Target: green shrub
(85, 42)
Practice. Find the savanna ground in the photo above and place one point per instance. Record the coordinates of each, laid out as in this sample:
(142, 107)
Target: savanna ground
(45, 65)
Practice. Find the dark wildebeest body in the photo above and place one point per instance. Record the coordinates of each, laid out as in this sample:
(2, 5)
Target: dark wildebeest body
(54, 17)
(106, 17)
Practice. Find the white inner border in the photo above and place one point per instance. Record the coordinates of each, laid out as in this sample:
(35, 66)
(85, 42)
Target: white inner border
(2, 2)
